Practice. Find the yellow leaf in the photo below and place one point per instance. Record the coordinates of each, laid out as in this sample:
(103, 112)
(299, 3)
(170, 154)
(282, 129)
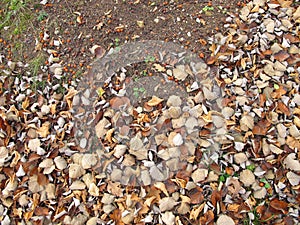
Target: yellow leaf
(69, 96)
(297, 121)
(243, 63)
(161, 186)
(149, 201)
(155, 101)
(100, 92)
(43, 131)
(159, 68)
(196, 211)
(25, 103)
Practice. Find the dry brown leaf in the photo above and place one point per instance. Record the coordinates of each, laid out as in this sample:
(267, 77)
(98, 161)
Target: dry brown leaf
(216, 196)
(284, 3)
(279, 205)
(117, 102)
(196, 195)
(207, 218)
(281, 56)
(278, 92)
(41, 211)
(283, 108)
(261, 128)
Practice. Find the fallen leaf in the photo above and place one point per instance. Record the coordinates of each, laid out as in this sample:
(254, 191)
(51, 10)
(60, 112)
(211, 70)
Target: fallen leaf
(154, 101)
(283, 108)
(279, 205)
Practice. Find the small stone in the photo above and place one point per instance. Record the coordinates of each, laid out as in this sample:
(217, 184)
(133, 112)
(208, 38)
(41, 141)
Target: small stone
(279, 66)
(120, 150)
(286, 23)
(177, 123)
(45, 109)
(128, 218)
(269, 24)
(275, 48)
(174, 100)
(244, 13)
(179, 72)
(209, 95)
(294, 50)
(140, 23)
(77, 185)
(218, 121)
(247, 177)
(88, 161)
(92, 221)
(145, 176)
(275, 149)
(101, 128)
(239, 158)
(260, 193)
(34, 144)
(227, 112)
(83, 143)
(174, 112)
(157, 174)
(293, 178)
(199, 175)
(75, 171)
(60, 162)
(296, 14)
(191, 122)
(177, 140)
(291, 162)
(168, 218)
(116, 175)
(79, 219)
(46, 163)
(173, 164)
(294, 131)
(107, 199)
(224, 219)
(94, 190)
(166, 204)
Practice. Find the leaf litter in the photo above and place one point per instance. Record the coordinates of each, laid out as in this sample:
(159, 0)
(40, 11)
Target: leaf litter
(255, 173)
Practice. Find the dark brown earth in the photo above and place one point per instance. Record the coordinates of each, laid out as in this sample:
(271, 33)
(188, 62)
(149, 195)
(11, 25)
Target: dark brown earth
(81, 24)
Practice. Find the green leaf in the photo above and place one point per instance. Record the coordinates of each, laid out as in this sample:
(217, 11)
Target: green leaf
(276, 86)
(251, 167)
